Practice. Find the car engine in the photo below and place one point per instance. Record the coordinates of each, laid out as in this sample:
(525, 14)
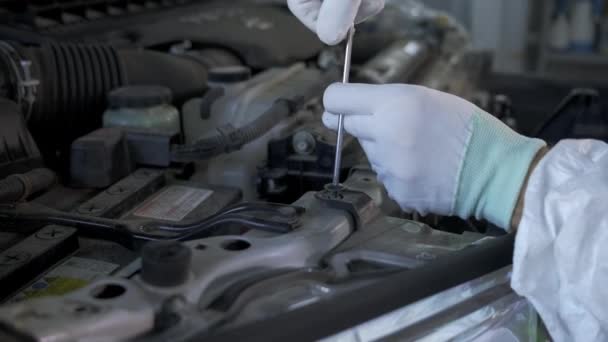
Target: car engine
(163, 176)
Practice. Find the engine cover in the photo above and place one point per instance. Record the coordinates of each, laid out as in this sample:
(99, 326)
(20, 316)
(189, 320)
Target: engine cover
(263, 36)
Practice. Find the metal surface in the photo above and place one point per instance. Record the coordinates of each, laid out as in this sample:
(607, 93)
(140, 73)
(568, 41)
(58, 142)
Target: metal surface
(466, 311)
(353, 202)
(217, 263)
(237, 279)
(345, 78)
(378, 298)
(114, 308)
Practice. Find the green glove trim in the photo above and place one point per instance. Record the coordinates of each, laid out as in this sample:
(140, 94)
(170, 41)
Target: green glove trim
(494, 169)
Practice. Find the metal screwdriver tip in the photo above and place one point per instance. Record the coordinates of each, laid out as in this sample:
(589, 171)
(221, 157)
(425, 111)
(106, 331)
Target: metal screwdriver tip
(345, 78)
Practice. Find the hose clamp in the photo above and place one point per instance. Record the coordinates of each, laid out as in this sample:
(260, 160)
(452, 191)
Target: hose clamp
(26, 84)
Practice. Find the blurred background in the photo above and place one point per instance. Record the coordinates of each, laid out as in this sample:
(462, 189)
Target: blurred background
(542, 49)
(546, 38)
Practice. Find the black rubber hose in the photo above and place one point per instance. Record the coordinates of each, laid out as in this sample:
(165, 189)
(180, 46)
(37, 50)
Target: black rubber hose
(186, 77)
(229, 139)
(75, 79)
(18, 187)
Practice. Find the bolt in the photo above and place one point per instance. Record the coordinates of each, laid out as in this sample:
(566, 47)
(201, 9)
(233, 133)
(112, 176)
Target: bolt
(90, 208)
(51, 232)
(303, 143)
(14, 257)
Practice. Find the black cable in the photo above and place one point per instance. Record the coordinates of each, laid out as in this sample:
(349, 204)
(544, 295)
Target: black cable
(126, 232)
(251, 207)
(230, 139)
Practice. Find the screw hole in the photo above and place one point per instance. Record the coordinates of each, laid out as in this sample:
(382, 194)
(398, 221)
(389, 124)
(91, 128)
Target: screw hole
(108, 291)
(366, 179)
(235, 245)
(200, 247)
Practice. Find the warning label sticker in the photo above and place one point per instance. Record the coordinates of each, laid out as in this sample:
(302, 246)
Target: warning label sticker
(173, 204)
(71, 275)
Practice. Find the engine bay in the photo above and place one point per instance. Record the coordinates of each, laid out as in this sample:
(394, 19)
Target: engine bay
(164, 168)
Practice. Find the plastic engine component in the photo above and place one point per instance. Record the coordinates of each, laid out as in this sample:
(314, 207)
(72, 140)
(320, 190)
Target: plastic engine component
(18, 151)
(165, 263)
(72, 83)
(101, 158)
(19, 187)
(229, 74)
(139, 96)
(262, 36)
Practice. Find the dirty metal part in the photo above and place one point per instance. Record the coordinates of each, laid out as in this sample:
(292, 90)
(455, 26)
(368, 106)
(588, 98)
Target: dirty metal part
(258, 276)
(379, 298)
(214, 262)
(345, 78)
(24, 261)
(342, 262)
(115, 308)
(356, 203)
(284, 293)
(362, 178)
(321, 230)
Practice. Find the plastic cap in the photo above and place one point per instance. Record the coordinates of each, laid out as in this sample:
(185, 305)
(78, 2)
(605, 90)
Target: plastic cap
(229, 74)
(165, 263)
(139, 96)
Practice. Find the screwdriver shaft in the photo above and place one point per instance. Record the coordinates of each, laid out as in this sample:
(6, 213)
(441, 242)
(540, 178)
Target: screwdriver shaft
(345, 78)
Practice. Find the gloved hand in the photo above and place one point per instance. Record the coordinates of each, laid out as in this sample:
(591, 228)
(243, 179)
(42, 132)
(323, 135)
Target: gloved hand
(331, 19)
(435, 152)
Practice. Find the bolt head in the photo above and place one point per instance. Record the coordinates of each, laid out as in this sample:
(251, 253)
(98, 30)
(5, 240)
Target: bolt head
(51, 233)
(14, 257)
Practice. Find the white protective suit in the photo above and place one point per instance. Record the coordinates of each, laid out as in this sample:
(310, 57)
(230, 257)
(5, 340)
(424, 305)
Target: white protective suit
(561, 262)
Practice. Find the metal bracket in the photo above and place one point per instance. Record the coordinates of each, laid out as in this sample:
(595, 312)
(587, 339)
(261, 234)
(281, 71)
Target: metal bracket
(354, 202)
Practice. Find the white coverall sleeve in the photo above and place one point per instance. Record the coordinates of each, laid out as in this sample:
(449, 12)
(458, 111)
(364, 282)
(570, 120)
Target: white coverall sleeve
(561, 251)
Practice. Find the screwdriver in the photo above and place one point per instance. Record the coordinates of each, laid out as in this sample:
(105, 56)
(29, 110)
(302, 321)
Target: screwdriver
(345, 78)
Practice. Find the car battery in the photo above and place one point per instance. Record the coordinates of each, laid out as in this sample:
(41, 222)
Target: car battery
(147, 194)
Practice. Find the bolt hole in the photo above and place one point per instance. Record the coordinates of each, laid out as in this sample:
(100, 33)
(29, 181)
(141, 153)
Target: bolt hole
(235, 245)
(200, 247)
(366, 179)
(108, 291)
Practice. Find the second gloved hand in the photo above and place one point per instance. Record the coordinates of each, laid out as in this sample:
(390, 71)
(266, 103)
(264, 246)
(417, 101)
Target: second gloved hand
(331, 19)
(435, 152)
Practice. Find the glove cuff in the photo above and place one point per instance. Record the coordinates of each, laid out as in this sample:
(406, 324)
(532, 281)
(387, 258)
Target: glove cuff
(493, 171)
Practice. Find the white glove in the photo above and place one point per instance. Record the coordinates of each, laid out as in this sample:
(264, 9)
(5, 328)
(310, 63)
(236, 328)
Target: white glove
(331, 19)
(435, 152)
